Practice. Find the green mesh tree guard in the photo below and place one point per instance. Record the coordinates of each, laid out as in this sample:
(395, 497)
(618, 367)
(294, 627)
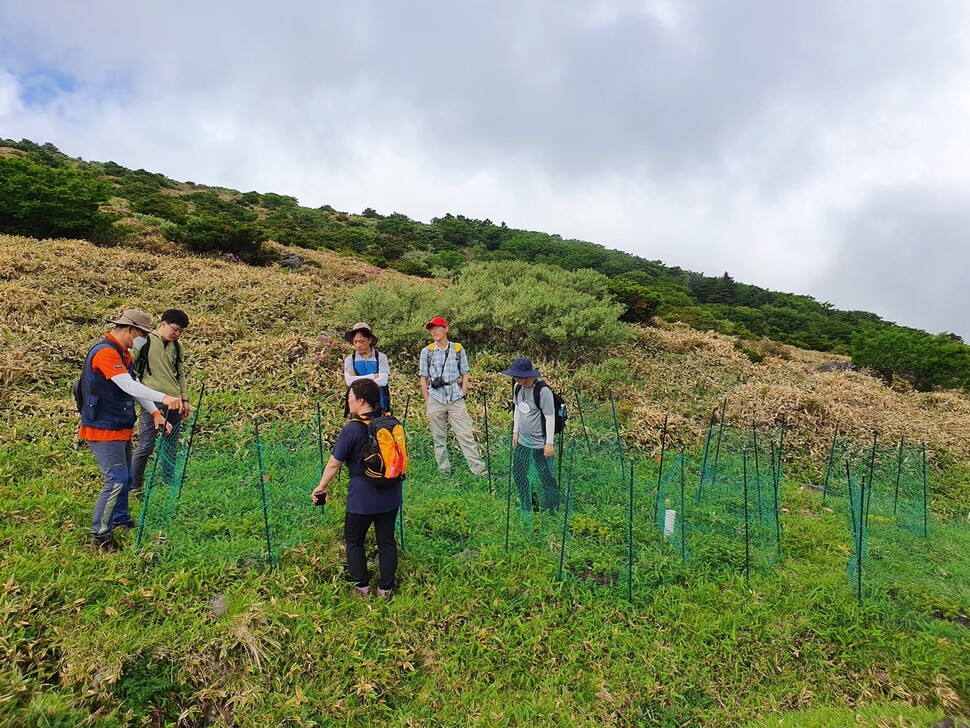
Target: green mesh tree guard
(723, 512)
(896, 476)
(599, 514)
(245, 503)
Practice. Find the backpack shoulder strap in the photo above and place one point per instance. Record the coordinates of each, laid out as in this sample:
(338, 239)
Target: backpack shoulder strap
(141, 366)
(537, 391)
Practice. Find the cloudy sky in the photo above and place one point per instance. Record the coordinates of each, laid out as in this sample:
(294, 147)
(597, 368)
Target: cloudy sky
(814, 147)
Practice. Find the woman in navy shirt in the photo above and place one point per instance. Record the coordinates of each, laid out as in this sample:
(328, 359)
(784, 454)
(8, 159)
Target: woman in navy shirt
(365, 503)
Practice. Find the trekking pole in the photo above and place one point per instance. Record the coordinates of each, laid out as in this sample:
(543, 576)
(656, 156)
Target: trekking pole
(400, 519)
(582, 419)
(407, 406)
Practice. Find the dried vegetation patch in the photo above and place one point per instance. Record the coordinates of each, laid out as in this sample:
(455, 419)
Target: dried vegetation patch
(271, 333)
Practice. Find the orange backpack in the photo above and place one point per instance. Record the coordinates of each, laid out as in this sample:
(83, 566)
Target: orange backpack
(386, 452)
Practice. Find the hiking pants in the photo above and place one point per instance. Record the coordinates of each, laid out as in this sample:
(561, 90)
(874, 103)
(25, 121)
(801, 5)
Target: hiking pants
(549, 493)
(147, 435)
(111, 508)
(355, 532)
(456, 415)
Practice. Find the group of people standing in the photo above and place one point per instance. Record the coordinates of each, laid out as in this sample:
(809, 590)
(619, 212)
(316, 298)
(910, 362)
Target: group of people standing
(134, 363)
(131, 363)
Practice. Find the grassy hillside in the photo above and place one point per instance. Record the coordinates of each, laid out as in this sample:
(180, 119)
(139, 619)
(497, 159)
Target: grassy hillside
(46, 194)
(487, 639)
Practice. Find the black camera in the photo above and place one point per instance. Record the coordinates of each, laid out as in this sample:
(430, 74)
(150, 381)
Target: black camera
(438, 383)
(320, 499)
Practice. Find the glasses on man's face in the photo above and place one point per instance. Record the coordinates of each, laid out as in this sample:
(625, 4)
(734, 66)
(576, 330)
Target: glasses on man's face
(177, 330)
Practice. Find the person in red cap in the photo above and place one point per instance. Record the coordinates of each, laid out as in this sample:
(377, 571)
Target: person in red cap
(444, 386)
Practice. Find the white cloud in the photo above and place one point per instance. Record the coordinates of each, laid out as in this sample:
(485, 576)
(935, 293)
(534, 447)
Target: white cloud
(9, 96)
(755, 137)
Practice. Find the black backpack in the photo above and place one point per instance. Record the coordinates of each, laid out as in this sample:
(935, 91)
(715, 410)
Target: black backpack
(141, 364)
(558, 404)
(386, 454)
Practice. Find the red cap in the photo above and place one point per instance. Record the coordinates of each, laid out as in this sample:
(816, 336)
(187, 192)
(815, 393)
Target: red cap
(436, 321)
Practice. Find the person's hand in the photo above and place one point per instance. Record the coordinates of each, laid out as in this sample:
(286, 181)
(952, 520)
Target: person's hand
(515, 439)
(162, 423)
(174, 403)
(319, 495)
(548, 450)
(185, 409)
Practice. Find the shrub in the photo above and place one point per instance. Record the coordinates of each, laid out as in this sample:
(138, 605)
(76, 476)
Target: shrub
(538, 310)
(508, 307)
(207, 233)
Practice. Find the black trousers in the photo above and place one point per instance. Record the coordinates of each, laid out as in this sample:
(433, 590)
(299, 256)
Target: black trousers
(355, 531)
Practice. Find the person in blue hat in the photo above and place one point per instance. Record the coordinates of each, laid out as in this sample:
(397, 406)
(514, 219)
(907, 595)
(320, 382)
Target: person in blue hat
(533, 434)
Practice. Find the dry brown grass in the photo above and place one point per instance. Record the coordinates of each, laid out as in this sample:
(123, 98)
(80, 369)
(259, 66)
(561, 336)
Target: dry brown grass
(257, 330)
(688, 373)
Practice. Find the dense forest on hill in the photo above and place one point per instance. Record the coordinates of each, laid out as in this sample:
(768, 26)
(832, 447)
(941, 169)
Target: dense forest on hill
(46, 194)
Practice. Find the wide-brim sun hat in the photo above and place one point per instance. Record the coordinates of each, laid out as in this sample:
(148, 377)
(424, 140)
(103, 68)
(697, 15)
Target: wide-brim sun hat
(522, 368)
(360, 326)
(133, 317)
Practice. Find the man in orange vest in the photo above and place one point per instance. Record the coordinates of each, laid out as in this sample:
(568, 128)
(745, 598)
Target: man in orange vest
(108, 418)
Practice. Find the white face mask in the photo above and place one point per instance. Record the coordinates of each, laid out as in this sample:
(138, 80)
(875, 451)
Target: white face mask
(139, 342)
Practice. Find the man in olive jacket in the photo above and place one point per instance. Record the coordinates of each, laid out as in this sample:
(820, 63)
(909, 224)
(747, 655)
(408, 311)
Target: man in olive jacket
(160, 365)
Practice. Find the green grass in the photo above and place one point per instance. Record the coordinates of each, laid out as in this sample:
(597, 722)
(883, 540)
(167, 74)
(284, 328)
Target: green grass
(476, 635)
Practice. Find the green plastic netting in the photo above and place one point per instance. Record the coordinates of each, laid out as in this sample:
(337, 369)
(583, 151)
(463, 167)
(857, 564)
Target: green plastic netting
(601, 516)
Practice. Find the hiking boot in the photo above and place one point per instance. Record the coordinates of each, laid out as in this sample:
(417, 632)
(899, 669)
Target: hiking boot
(362, 591)
(386, 593)
(104, 542)
(126, 525)
(135, 490)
